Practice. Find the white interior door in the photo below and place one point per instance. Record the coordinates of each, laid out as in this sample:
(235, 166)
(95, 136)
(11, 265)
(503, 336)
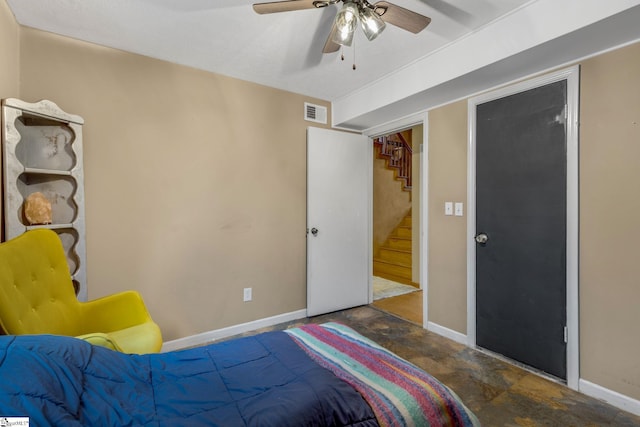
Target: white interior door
(337, 220)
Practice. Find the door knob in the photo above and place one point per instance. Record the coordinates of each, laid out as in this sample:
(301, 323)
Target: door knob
(482, 238)
(314, 231)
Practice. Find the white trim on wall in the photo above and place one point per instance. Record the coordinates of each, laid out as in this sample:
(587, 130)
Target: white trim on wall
(424, 219)
(395, 125)
(210, 336)
(447, 333)
(571, 75)
(471, 226)
(614, 398)
(370, 219)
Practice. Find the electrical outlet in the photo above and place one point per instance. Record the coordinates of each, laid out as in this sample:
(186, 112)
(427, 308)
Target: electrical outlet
(247, 295)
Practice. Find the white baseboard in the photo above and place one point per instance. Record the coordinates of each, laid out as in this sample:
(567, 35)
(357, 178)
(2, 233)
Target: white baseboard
(614, 398)
(210, 336)
(447, 333)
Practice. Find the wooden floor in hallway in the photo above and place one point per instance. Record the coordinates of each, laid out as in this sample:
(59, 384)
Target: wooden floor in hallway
(407, 306)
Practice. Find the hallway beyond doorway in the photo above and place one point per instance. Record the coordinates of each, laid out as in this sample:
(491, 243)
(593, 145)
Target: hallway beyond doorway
(385, 288)
(398, 299)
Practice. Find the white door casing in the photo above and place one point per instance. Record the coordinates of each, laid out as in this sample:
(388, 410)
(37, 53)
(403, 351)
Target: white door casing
(420, 118)
(571, 75)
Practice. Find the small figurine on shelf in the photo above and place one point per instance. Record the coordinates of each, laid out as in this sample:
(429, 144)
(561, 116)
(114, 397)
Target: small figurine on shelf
(37, 209)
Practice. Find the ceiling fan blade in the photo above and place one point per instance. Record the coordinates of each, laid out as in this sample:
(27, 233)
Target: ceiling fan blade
(401, 17)
(330, 46)
(284, 6)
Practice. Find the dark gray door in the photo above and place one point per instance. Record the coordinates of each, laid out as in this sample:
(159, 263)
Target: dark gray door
(521, 183)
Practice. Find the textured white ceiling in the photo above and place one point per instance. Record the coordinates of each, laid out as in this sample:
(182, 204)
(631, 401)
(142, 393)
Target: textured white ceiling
(282, 50)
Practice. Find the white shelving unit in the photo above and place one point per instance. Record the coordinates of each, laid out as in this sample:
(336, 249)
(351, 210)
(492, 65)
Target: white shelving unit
(42, 152)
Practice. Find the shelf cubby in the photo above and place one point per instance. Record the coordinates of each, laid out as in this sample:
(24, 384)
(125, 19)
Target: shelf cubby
(42, 152)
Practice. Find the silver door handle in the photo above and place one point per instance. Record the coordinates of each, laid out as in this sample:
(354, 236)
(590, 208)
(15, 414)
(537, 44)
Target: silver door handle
(482, 238)
(314, 231)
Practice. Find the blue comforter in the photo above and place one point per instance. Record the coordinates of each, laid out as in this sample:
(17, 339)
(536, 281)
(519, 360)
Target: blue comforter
(264, 380)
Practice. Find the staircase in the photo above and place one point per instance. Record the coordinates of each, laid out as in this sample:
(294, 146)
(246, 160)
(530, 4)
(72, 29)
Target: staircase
(393, 259)
(397, 153)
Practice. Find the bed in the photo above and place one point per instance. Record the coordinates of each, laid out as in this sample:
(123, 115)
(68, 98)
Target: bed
(312, 375)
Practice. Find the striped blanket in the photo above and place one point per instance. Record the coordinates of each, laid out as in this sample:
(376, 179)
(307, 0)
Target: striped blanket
(399, 393)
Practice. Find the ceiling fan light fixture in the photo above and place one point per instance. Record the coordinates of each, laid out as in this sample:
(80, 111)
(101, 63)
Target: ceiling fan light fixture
(372, 24)
(345, 24)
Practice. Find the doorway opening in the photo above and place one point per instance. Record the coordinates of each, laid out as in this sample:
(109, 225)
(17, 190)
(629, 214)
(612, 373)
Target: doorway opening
(396, 223)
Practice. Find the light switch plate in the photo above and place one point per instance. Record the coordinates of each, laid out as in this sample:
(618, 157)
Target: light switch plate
(459, 209)
(448, 208)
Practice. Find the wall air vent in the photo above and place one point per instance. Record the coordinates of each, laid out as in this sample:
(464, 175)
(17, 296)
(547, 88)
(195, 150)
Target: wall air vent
(315, 113)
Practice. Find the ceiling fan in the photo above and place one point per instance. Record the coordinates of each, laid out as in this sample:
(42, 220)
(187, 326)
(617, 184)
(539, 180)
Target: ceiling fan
(372, 17)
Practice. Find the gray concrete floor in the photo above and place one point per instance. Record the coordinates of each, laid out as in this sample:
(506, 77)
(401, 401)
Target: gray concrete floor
(499, 393)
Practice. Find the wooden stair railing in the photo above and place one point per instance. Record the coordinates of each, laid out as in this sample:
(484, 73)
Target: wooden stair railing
(397, 153)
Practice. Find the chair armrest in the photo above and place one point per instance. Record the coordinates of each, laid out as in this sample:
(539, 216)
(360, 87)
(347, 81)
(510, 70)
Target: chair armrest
(113, 313)
(103, 340)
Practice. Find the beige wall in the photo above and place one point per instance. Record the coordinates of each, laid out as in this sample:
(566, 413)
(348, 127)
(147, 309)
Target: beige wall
(609, 221)
(609, 225)
(447, 268)
(171, 214)
(9, 67)
(195, 183)
(9, 53)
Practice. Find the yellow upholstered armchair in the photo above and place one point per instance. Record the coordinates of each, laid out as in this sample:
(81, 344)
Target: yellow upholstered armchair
(37, 297)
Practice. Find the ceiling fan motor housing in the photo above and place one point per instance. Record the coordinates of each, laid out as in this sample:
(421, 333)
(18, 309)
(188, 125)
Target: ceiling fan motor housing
(361, 3)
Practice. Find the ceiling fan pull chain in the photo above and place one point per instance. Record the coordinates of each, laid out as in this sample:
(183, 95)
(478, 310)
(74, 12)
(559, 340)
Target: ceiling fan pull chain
(354, 55)
(342, 53)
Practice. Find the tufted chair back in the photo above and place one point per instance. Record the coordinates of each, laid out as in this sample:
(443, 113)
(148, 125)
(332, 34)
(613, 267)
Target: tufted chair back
(37, 297)
(36, 292)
